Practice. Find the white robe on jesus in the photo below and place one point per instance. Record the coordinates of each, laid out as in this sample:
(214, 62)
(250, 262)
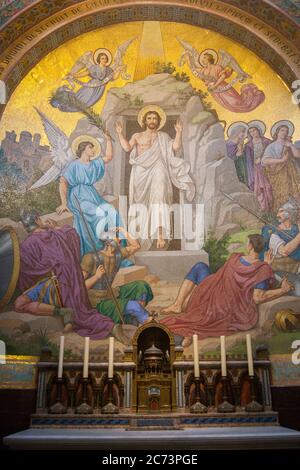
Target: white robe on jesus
(150, 188)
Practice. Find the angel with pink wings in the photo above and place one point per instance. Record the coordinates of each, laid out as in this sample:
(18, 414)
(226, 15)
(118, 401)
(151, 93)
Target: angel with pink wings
(214, 69)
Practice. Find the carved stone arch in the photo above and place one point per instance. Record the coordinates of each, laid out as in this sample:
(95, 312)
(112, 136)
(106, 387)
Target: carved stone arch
(22, 17)
(271, 40)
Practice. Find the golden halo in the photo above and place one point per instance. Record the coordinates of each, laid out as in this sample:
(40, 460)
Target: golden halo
(87, 138)
(260, 125)
(283, 122)
(102, 51)
(208, 51)
(236, 124)
(154, 108)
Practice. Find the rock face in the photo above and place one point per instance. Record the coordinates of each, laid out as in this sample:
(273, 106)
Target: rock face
(214, 173)
(27, 322)
(130, 274)
(268, 310)
(12, 326)
(203, 147)
(66, 218)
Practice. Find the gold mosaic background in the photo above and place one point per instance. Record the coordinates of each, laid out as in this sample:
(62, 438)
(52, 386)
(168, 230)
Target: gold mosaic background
(37, 86)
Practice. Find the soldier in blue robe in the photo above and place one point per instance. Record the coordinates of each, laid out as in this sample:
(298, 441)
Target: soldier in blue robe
(287, 229)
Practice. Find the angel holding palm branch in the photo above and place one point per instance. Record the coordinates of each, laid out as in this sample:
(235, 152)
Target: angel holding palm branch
(101, 68)
(78, 164)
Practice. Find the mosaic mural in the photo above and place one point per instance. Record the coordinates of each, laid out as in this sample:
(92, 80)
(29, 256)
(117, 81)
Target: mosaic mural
(104, 142)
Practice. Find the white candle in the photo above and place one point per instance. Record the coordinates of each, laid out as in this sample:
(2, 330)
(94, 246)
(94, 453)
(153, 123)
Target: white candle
(61, 357)
(249, 355)
(196, 356)
(223, 357)
(111, 358)
(86, 357)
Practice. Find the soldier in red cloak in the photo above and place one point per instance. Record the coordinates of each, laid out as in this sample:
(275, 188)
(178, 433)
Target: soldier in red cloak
(226, 301)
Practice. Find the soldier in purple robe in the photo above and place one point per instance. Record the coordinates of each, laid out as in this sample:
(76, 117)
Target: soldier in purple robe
(51, 249)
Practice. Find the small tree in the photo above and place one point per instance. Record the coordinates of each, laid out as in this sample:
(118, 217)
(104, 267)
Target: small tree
(217, 252)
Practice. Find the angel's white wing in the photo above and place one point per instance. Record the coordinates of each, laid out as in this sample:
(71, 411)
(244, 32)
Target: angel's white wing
(192, 52)
(120, 52)
(58, 140)
(118, 58)
(226, 60)
(84, 61)
(47, 177)
(61, 153)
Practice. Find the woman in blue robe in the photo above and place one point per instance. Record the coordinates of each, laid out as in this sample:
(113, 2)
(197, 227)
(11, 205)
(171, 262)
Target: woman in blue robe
(76, 185)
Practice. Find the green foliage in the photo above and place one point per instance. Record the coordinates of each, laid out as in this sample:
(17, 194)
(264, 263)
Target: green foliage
(280, 342)
(14, 198)
(69, 99)
(131, 102)
(182, 77)
(277, 342)
(138, 101)
(32, 348)
(9, 169)
(163, 67)
(217, 252)
(242, 238)
(203, 96)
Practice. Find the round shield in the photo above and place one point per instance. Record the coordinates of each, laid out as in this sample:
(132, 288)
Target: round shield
(9, 264)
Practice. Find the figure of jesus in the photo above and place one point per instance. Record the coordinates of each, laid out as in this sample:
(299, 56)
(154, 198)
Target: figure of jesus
(154, 169)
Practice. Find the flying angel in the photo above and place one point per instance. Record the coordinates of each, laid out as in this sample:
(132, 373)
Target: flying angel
(214, 68)
(61, 149)
(101, 68)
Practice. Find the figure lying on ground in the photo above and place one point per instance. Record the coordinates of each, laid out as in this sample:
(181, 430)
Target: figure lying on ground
(51, 249)
(224, 302)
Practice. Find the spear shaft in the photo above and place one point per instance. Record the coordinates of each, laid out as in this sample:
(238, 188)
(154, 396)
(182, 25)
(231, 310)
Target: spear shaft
(257, 216)
(87, 228)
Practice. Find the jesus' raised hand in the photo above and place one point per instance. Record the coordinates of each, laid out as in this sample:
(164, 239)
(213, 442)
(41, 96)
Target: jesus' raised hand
(178, 126)
(119, 127)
